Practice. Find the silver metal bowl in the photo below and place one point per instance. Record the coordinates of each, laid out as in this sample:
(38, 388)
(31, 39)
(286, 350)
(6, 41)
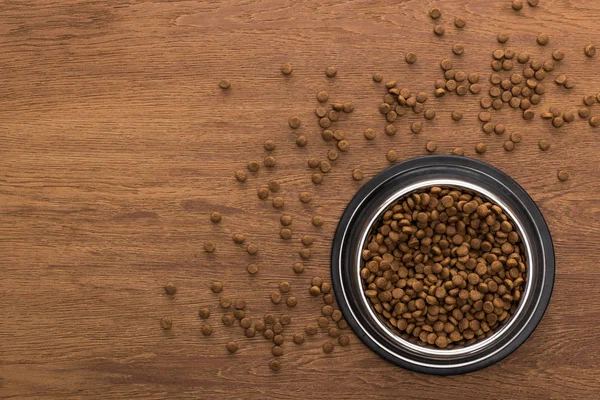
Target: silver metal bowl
(446, 171)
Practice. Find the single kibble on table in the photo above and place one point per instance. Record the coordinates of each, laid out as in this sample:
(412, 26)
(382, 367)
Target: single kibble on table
(238, 238)
(325, 166)
(313, 163)
(590, 50)
(499, 129)
(435, 13)
(250, 332)
(285, 233)
(563, 175)
(327, 135)
(206, 330)
(285, 287)
(416, 127)
(166, 323)
(241, 175)
(225, 302)
(460, 22)
(594, 121)
(456, 115)
(390, 130)
(311, 330)
(224, 83)
(569, 83)
(337, 106)
(239, 314)
(278, 202)
(253, 166)
(301, 141)
(322, 96)
(391, 155)
(533, 3)
(321, 112)
(357, 174)
(558, 55)
(331, 72)
(517, 5)
(509, 145)
(294, 122)
(215, 217)
(558, 122)
(516, 137)
(268, 334)
(544, 144)
(323, 322)
(298, 268)
(377, 77)
(286, 220)
(317, 178)
(275, 365)
(410, 57)
(327, 347)
(285, 319)
(276, 297)
(334, 333)
(568, 116)
(305, 197)
(314, 291)
(269, 145)
(170, 289)
(286, 69)
(584, 112)
(274, 185)
(502, 38)
(307, 240)
(543, 39)
(209, 246)
(343, 145)
(446, 64)
(499, 53)
(431, 146)
(344, 340)
(252, 269)
(458, 151)
(458, 49)
(369, 134)
(488, 127)
(246, 322)
(291, 301)
(240, 304)
(333, 115)
(589, 100)
(429, 114)
(348, 107)
(462, 90)
(204, 313)
(317, 220)
(304, 254)
(325, 287)
(481, 148)
(227, 319)
(298, 338)
(439, 92)
(439, 30)
(269, 161)
(528, 114)
(231, 347)
(338, 134)
(278, 340)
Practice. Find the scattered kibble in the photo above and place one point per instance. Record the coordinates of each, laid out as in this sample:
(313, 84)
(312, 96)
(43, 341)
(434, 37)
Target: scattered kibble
(517, 5)
(294, 122)
(252, 269)
(481, 148)
(590, 50)
(224, 83)
(435, 13)
(216, 287)
(431, 146)
(209, 246)
(170, 289)
(328, 347)
(331, 72)
(543, 39)
(231, 347)
(317, 220)
(391, 155)
(411, 57)
(563, 175)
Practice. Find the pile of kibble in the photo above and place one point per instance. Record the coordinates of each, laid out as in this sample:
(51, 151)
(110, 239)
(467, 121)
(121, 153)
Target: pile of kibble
(442, 267)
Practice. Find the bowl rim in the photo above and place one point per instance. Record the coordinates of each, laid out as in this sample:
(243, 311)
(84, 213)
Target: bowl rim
(542, 237)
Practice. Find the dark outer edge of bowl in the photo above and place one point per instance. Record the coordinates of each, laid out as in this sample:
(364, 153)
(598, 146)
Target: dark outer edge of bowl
(529, 205)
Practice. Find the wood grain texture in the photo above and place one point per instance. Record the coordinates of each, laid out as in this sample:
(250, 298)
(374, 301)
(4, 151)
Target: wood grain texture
(117, 144)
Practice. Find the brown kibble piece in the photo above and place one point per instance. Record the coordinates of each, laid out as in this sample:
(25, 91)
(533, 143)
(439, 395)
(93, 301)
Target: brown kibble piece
(410, 57)
(460, 22)
(563, 175)
(435, 13)
(166, 323)
(357, 174)
(391, 155)
(590, 50)
(170, 289)
(238, 238)
(331, 72)
(224, 83)
(481, 148)
(305, 197)
(517, 5)
(269, 161)
(431, 146)
(278, 202)
(252, 269)
(206, 330)
(458, 49)
(241, 175)
(439, 30)
(317, 220)
(231, 347)
(509, 145)
(285, 287)
(458, 151)
(328, 347)
(543, 39)
(286, 69)
(502, 38)
(544, 144)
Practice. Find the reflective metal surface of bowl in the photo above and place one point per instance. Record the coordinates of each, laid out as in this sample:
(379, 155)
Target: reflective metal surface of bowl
(444, 171)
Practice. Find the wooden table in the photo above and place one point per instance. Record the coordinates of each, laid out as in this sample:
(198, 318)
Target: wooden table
(117, 144)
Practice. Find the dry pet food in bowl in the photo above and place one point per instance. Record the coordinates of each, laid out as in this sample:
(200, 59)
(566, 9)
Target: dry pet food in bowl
(442, 264)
